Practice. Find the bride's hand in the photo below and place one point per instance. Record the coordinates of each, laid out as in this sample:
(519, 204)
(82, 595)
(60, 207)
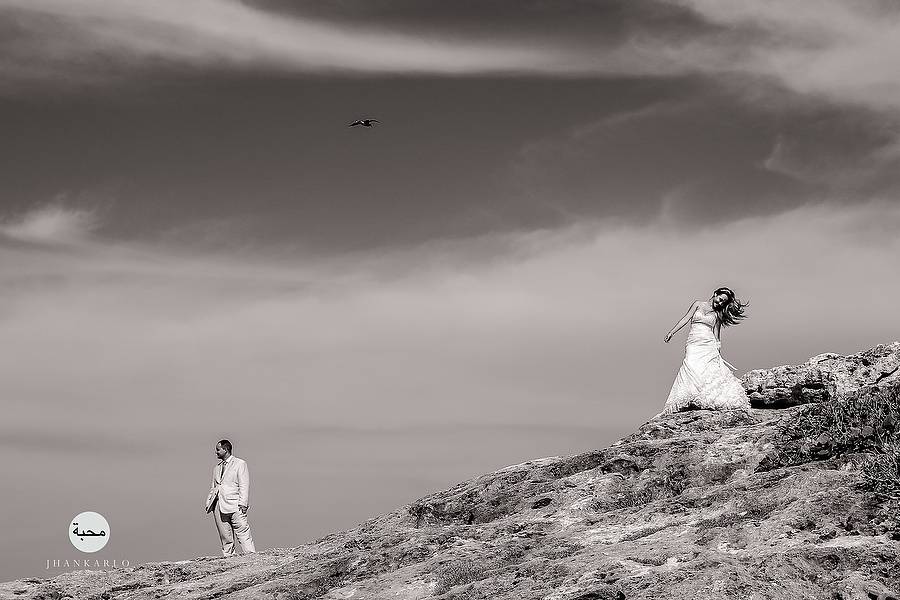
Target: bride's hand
(668, 337)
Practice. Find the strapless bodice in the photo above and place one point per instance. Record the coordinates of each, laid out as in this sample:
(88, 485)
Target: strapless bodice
(702, 329)
(705, 318)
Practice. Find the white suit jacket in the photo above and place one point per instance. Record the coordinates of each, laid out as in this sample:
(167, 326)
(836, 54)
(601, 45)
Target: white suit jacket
(233, 488)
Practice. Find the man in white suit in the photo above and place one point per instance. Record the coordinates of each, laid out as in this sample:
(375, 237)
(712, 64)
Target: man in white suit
(229, 500)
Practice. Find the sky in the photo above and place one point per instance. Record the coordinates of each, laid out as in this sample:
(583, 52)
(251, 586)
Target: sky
(194, 245)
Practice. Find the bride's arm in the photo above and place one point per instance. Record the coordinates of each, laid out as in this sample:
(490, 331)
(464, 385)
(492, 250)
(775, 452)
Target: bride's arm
(681, 323)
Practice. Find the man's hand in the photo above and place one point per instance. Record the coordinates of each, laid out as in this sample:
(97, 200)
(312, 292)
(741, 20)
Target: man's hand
(243, 508)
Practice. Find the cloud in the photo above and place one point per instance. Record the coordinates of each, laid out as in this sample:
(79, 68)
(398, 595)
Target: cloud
(817, 49)
(53, 223)
(90, 40)
(823, 49)
(848, 151)
(699, 161)
(810, 110)
(231, 33)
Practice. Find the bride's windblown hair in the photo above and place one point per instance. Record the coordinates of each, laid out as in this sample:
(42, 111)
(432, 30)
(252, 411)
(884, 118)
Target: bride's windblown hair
(733, 310)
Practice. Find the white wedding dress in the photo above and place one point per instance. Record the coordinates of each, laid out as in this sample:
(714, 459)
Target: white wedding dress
(704, 380)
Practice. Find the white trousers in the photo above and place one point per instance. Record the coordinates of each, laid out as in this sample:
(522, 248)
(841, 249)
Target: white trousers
(229, 525)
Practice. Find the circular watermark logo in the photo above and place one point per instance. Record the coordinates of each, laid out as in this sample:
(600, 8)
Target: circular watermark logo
(89, 531)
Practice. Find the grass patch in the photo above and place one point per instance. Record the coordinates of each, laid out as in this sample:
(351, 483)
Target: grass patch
(458, 573)
(866, 421)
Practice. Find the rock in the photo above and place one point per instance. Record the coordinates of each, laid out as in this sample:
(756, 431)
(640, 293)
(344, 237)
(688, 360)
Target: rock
(699, 504)
(823, 440)
(822, 377)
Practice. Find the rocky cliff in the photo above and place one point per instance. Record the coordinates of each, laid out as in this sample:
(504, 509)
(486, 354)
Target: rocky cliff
(799, 499)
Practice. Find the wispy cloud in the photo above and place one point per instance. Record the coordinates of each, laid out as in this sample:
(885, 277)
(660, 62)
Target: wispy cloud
(842, 52)
(231, 33)
(816, 48)
(817, 76)
(53, 224)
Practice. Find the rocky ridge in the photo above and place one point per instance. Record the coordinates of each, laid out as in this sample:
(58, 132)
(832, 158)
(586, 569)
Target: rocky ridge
(778, 503)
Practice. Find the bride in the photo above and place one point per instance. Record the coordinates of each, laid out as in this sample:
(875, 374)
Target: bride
(703, 380)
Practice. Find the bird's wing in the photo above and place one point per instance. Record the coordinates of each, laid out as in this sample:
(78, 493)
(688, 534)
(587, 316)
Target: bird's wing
(354, 123)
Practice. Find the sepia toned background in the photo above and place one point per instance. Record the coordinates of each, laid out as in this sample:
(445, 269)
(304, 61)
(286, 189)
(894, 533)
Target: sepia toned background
(194, 245)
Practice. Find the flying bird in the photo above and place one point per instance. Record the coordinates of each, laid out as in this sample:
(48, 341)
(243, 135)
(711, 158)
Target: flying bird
(364, 122)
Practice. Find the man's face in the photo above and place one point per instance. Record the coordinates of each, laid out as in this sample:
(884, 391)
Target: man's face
(220, 451)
